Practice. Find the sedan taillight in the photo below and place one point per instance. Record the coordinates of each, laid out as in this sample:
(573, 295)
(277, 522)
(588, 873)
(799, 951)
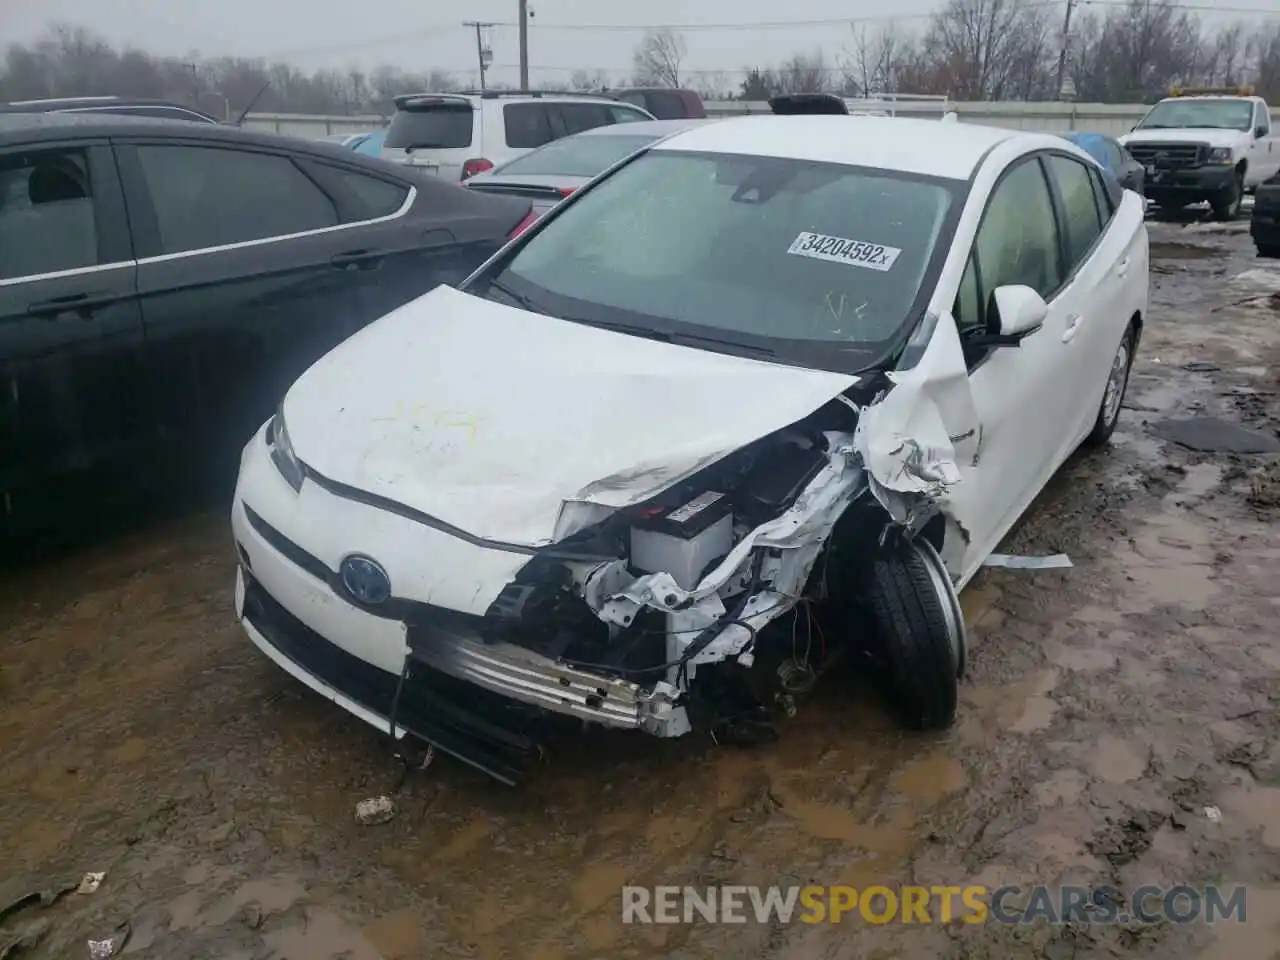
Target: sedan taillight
(474, 166)
(529, 220)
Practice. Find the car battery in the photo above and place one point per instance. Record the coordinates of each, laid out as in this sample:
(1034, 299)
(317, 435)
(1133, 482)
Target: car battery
(685, 540)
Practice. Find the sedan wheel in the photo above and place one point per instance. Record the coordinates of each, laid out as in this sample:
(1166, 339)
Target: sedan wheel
(1113, 396)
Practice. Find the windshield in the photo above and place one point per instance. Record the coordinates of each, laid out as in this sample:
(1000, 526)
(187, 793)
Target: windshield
(441, 125)
(582, 156)
(820, 264)
(1194, 114)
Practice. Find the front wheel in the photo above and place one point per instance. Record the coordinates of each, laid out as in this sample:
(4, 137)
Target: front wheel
(1227, 205)
(1113, 397)
(919, 630)
(1269, 251)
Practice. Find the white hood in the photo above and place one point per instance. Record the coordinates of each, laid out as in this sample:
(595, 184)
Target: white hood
(1214, 138)
(490, 418)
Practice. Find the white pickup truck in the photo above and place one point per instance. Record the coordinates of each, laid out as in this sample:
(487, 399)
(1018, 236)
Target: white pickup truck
(1205, 145)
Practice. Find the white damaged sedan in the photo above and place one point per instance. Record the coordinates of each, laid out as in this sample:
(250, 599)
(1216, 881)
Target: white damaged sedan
(767, 391)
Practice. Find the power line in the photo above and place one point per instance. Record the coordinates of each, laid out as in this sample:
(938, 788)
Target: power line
(532, 25)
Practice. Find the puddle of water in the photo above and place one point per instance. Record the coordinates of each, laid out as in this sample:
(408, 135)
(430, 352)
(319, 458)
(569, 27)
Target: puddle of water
(1170, 563)
(927, 781)
(323, 936)
(1169, 250)
(1116, 761)
(397, 935)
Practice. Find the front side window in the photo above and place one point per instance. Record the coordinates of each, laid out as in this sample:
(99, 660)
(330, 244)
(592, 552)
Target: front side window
(1207, 114)
(1263, 120)
(210, 196)
(821, 264)
(1079, 207)
(46, 213)
(1017, 241)
(577, 156)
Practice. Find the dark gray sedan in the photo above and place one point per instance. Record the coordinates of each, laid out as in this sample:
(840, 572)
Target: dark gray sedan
(548, 175)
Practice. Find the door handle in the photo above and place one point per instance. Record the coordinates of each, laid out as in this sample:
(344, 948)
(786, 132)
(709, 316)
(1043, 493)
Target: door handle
(1122, 268)
(356, 259)
(1073, 327)
(82, 303)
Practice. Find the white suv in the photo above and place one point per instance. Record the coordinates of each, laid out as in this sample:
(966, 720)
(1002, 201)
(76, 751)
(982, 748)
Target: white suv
(457, 135)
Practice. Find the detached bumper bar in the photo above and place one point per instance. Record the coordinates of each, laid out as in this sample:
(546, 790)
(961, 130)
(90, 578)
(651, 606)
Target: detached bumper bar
(429, 707)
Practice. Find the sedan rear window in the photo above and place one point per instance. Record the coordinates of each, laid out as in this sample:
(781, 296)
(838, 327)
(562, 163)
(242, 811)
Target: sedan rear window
(823, 262)
(430, 124)
(577, 156)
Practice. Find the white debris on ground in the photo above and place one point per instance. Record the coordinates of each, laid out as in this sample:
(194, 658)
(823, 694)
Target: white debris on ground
(375, 810)
(1269, 279)
(90, 882)
(1057, 561)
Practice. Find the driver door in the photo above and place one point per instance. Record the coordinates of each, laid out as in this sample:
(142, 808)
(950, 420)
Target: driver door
(1026, 397)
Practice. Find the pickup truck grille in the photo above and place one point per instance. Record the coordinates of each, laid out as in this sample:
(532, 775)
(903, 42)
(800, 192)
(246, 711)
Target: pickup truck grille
(1168, 156)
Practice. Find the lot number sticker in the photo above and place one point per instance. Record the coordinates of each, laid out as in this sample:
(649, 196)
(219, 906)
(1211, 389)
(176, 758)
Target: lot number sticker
(855, 253)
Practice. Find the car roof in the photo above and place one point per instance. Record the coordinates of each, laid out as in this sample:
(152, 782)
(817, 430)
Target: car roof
(923, 147)
(500, 97)
(41, 128)
(90, 103)
(653, 128)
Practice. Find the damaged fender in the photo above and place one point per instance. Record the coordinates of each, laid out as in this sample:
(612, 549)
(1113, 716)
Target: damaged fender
(917, 438)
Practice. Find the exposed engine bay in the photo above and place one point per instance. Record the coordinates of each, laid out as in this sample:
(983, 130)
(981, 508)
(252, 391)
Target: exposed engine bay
(705, 602)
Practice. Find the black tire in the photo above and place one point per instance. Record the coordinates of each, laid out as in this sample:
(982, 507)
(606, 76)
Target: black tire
(1226, 206)
(920, 632)
(1109, 409)
(1167, 211)
(1270, 251)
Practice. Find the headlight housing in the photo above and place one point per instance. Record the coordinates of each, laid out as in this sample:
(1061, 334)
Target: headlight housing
(282, 454)
(1219, 154)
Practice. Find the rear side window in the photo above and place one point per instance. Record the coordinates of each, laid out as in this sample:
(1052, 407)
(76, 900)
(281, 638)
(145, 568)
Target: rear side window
(1079, 207)
(1106, 207)
(207, 196)
(577, 117)
(626, 114)
(528, 124)
(46, 213)
(368, 197)
(435, 124)
(665, 104)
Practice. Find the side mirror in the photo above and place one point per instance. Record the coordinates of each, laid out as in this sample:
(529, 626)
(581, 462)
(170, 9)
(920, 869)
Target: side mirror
(1260, 132)
(1021, 312)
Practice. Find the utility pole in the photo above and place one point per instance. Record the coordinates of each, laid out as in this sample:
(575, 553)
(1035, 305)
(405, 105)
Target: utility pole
(524, 44)
(483, 54)
(1066, 42)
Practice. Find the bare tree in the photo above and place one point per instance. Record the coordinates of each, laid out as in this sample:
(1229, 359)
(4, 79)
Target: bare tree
(658, 58)
(983, 49)
(804, 74)
(872, 65)
(587, 80)
(712, 85)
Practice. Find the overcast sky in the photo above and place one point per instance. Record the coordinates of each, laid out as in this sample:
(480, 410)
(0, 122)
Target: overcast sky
(422, 34)
(426, 34)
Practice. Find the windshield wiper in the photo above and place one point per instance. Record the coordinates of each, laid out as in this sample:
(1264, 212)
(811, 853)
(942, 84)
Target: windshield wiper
(519, 299)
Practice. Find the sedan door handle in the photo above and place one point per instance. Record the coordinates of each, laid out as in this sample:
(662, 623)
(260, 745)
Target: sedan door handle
(355, 259)
(1123, 267)
(1073, 327)
(82, 303)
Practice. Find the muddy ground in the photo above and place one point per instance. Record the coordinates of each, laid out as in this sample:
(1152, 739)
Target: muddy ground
(1106, 708)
